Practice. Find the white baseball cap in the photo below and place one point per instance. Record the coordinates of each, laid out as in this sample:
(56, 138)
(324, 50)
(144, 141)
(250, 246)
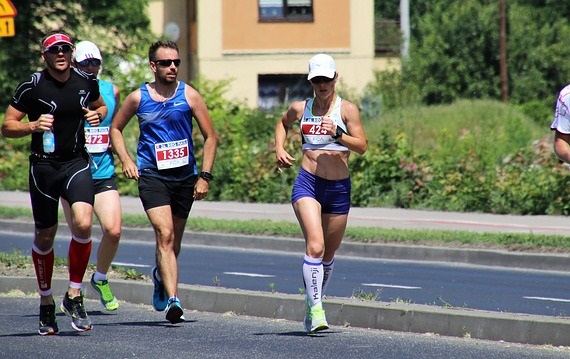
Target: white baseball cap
(87, 50)
(321, 65)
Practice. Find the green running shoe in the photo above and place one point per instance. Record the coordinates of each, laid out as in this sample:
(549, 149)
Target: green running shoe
(318, 319)
(107, 298)
(307, 318)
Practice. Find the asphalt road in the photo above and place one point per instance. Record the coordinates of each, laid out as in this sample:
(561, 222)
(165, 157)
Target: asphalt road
(401, 317)
(431, 283)
(139, 332)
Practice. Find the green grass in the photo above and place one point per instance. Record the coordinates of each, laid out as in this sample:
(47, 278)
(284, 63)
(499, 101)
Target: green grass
(488, 127)
(509, 241)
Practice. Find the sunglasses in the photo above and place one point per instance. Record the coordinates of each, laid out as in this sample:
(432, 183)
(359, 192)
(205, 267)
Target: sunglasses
(94, 62)
(167, 62)
(321, 80)
(56, 49)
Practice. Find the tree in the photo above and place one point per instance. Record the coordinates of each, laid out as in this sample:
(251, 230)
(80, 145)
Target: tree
(120, 28)
(455, 50)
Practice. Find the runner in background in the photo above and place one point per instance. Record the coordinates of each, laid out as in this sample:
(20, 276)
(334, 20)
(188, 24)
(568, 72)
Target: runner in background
(107, 207)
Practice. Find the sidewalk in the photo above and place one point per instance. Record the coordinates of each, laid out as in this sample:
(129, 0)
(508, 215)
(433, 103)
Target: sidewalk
(519, 328)
(359, 217)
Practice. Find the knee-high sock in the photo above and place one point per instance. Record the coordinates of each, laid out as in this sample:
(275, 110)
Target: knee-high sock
(327, 272)
(78, 257)
(43, 263)
(313, 277)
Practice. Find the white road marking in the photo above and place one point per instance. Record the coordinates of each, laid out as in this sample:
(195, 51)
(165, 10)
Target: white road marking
(131, 265)
(389, 286)
(250, 274)
(550, 299)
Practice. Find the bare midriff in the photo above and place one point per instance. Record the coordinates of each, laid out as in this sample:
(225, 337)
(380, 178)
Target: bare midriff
(331, 165)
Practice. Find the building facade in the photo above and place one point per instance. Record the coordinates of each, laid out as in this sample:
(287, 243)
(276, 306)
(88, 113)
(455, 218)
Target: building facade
(263, 46)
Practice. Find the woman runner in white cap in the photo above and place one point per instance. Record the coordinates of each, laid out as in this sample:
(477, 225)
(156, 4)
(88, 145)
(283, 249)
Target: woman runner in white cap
(330, 129)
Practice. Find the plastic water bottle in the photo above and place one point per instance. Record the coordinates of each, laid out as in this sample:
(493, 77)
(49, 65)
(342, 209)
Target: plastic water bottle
(48, 141)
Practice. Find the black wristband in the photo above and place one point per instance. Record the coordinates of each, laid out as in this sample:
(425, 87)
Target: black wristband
(206, 175)
(100, 117)
(339, 132)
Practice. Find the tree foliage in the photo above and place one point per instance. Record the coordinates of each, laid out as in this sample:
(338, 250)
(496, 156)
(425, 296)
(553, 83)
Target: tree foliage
(455, 50)
(120, 28)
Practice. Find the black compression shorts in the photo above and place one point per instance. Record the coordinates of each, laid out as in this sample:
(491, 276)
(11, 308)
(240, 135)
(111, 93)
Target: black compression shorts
(49, 180)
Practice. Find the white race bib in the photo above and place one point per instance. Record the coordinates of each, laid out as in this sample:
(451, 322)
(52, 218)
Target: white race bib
(171, 154)
(97, 139)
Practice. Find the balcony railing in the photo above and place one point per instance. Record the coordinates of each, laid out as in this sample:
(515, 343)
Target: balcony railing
(387, 37)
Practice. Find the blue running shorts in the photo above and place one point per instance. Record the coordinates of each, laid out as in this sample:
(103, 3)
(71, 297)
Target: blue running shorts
(333, 195)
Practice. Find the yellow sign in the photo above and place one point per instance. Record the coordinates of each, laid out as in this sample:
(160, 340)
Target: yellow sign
(7, 27)
(7, 9)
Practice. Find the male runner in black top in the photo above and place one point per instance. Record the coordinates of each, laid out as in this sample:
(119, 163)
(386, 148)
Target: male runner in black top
(58, 99)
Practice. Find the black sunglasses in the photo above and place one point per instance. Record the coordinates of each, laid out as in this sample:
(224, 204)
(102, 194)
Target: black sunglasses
(56, 49)
(167, 62)
(86, 62)
(321, 80)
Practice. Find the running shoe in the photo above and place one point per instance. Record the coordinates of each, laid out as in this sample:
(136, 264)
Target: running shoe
(74, 308)
(318, 319)
(48, 322)
(307, 318)
(159, 297)
(107, 298)
(174, 312)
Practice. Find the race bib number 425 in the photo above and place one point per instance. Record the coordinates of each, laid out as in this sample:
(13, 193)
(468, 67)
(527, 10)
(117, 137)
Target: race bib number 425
(313, 132)
(171, 154)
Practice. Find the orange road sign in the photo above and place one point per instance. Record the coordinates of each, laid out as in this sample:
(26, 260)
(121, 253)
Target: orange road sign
(7, 9)
(7, 27)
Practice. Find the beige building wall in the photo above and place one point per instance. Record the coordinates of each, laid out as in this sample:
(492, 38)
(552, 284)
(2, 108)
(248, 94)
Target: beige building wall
(228, 42)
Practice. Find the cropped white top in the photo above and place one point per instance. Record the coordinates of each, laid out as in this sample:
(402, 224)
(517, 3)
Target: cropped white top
(314, 137)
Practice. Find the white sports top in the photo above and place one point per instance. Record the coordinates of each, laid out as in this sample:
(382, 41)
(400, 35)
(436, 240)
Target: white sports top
(561, 121)
(314, 138)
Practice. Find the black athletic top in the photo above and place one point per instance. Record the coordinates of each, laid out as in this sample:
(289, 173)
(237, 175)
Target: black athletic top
(42, 94)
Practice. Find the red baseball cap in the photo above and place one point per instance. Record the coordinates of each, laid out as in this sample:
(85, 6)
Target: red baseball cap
(56, 39)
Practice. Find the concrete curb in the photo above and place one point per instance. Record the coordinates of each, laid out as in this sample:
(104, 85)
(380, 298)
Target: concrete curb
(456, 322)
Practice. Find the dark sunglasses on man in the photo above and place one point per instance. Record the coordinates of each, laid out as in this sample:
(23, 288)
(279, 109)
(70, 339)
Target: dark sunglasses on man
(321, 80)
(167, 62)
(86, 62)
(56, 49)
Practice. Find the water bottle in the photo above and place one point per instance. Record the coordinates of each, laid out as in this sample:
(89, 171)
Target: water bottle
(48, 141)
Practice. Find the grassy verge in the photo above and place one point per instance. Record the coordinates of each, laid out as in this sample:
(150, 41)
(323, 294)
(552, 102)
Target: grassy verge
(509, 241)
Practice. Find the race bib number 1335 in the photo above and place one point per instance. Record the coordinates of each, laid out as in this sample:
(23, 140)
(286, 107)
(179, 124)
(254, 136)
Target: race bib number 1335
(171, 154)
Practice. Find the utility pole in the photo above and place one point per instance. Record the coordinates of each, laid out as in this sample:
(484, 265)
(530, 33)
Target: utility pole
(405, 27)
(503, 59)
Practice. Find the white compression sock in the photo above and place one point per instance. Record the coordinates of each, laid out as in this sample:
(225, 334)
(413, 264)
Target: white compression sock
(313, 277)
(327, 272)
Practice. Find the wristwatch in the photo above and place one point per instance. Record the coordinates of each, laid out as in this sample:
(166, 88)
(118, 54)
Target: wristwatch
(206, 175)
(339, 132)
(100, 117)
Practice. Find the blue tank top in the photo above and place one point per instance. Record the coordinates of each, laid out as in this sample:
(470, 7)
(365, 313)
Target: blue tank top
(165, 148)
(97, 138)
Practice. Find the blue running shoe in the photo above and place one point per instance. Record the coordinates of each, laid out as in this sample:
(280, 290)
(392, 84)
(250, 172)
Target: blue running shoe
(174, 312)
(159, 298)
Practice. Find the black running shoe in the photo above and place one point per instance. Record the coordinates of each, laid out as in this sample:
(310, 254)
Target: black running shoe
(48, 322)
(75, 309)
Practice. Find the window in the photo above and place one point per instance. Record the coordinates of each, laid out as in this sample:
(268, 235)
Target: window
(285, 10)
(277, 90)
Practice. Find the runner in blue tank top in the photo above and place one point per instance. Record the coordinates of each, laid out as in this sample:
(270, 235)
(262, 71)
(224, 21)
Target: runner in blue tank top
(166, 169)
(330, 129)
(107, 207)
